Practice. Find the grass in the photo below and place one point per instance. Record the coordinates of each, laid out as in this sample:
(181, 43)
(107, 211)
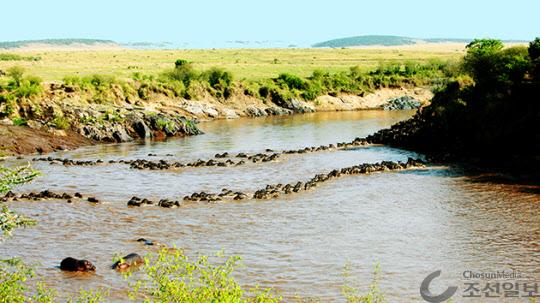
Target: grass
(250, 64)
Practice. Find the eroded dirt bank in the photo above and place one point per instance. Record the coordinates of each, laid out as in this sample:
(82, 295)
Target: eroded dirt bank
(62, 119)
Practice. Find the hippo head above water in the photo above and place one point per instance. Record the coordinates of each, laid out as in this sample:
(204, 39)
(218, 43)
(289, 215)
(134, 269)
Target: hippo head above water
(128, 261)
(71, 264)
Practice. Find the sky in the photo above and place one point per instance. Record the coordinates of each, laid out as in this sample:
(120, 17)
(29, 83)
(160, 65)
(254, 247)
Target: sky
(206, 23)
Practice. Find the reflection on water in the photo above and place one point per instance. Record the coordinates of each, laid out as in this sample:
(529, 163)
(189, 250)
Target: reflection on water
(412, 222)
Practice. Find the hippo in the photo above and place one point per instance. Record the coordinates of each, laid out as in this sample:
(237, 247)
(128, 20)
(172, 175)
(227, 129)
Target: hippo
(128, 261)
(72, 264)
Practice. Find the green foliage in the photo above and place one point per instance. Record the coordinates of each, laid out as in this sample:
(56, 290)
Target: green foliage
(217, 77)
(174, 277)
(10, 220)
(98, 87)
(16, 74)
(8, 179)
(220, 80)
(494, 116)
(183, 72)
(16, 286)
(29, 86)
(480, 58)
(312, 91)
(12, 177)
(534, 49)
(7, 105)
(180, 62)
(15, 57)
(481, 47)
(291, 81)
(13, 275)
(165, 124)
(251, 89)
(60, 122)
(17, 121)
(492, 67)
(352, 294)
(169, 276)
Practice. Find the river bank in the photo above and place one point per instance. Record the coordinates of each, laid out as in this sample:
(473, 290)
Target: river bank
(63, 119)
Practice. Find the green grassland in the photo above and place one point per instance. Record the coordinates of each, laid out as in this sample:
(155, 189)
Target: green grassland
(250, 64)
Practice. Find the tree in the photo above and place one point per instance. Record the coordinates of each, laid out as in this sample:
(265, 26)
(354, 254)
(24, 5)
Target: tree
(534, 54)
(534, 49)
(484, 46)
(480, 60)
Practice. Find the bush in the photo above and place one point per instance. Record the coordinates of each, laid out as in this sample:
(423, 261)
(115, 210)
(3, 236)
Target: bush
(220, 80)
(101, 82)
(352, 294)
(16, 74)
(28, 87)
(61, 123)
(281, 96)
(15, 57)
(182, 72)
(251, 89)
(180, 63)
(174, 277)
(292, 81)
(8, 219)
(19, 121)
(313, 90)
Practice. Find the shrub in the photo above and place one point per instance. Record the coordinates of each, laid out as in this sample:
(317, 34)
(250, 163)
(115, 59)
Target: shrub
(73, 81)
(61, 123)
(220, 80)
(19, 121)
(265, 88)
(534, 49)
(182, 72)
(292, 81)
(251, 89)
(101, 82)
(281, 96)
(217, 77)
(15, 57)
(180, 63)
(174, 277)
(313, 90)
(28, 87)
(144, 92)
(7, 105)
(352, 294)
(8, 219)
(16, 74)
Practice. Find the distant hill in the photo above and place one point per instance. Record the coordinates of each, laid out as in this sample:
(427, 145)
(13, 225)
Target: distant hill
(373, 40)
(54, 42)
(367, 41)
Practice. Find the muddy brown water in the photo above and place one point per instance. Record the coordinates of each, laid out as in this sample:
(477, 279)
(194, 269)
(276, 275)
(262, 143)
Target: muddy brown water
(411, 223)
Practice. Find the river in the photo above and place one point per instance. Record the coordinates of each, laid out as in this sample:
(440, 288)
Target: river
(411, 222)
